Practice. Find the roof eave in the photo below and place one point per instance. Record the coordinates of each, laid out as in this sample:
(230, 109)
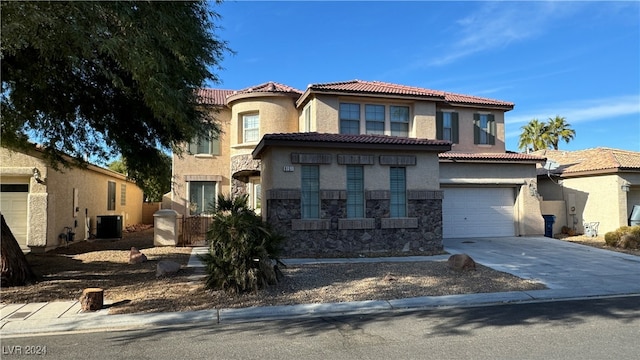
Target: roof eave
(265, 143)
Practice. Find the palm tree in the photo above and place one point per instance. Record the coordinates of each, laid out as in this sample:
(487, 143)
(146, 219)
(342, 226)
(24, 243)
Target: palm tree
(558, 128)
(534, 136)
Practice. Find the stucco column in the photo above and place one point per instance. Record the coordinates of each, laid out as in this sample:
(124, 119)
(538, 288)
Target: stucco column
(37, 220)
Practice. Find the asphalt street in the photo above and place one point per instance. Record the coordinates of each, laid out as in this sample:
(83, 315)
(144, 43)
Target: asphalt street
(580, 329)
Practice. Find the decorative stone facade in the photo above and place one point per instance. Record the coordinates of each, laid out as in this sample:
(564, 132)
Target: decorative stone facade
(336, 236)
(242, 166)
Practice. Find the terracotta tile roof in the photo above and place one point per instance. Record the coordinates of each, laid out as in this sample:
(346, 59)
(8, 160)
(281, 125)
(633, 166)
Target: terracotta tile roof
(515, 157)
(213, 96)
(383, 88)
(599, 159)
(313, 139)
(271, 87)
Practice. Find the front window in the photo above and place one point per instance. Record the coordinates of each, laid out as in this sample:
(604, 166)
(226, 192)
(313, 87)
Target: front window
(374, 117)
(349, 118)
(399, 120)
(398, 192)
(484, 129)
(447, 129)
(111, 195)
(355, 191)
(204, 145)
(251, 128)
(310, 192)
(202, 195)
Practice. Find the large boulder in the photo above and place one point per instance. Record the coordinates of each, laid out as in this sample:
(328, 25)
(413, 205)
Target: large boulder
(136, 257)
(460, 262)
(166, 267)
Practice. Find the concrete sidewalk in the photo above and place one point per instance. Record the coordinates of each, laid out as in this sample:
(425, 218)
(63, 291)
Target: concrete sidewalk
(571, 271)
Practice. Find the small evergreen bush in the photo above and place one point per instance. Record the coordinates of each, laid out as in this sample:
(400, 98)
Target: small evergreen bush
(243, 250)
(626, 237)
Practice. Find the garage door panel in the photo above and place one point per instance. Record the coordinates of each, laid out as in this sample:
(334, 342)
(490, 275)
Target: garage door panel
(473, 212)
(14, 209)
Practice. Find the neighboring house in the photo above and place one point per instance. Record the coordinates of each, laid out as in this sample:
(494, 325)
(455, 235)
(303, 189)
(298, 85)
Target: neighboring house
(359, 167)
(598, 185)
(40, 203)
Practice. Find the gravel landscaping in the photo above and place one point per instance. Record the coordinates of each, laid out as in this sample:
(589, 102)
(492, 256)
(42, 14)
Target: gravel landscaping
(135, 289)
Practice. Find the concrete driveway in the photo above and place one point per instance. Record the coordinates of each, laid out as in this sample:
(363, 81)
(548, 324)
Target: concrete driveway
(568, 269)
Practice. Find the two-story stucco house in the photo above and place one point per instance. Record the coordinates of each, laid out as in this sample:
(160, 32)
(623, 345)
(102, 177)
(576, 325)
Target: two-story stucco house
(363, 167)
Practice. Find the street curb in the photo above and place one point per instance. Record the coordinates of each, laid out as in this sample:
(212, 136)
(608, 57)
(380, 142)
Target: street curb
(90, 322)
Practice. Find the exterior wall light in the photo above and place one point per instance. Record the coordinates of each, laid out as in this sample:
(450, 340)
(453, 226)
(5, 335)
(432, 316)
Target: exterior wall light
(37, 176)
(626, 187)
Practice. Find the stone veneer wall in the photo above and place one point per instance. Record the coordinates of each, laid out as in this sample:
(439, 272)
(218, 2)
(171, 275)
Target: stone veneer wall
(242, 163)
(420, 233)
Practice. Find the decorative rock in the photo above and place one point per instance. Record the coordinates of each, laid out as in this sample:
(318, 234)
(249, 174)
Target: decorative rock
(460, 262)
(136, 257)
(166, 267)
(92, 299)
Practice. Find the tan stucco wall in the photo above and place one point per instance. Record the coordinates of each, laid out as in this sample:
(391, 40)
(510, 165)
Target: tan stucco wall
(423, 176)
(527, 214)
(465, 122)
(277, 115)
(207, 165)
(325, 114)
(597, 199)
(558, 208)
(51, 205)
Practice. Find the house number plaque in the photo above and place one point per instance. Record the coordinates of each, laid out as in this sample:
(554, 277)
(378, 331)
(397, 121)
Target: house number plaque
(288, 168)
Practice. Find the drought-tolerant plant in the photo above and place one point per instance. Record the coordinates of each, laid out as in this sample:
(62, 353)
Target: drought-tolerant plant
(626, 237)
(243, 250)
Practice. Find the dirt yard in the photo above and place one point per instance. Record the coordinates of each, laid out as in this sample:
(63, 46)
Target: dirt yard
(66, 272)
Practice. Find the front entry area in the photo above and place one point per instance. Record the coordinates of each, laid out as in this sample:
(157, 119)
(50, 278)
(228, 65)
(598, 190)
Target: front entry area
(478, 212)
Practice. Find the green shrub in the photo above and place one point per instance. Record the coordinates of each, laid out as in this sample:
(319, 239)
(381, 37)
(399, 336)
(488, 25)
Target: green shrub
(625, 237)
(242, 249)
(611, 238)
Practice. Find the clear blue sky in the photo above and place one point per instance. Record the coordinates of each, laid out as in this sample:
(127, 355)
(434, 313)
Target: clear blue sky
(579, 60)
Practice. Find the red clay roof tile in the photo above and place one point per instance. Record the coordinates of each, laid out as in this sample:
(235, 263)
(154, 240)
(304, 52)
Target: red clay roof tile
(456, 156)
(213, 96)
(595, 159)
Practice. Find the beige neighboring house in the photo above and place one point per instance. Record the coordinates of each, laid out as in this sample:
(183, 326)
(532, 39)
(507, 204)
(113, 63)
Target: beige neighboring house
(363, 166)
(598, 186)
(40, 204)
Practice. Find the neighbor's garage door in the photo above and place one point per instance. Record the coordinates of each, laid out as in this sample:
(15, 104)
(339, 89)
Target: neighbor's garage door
(477, 212)
(13, 204)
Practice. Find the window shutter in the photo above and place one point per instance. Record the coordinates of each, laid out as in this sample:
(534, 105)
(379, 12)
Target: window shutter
(492, 129)
(454, 128)
(439, 125)
(476, 128)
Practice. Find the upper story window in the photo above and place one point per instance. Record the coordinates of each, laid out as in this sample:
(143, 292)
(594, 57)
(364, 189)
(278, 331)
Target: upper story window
(310, 192)
(484, 129)
(205, 145)
(374, 117)
(349, 118)
(398, 187)
(250, 128)
(399, 116)
(447, 126)
(355, 191)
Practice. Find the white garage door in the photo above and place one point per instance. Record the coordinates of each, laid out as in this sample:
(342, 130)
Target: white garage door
(13, 204)
(477, 212)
